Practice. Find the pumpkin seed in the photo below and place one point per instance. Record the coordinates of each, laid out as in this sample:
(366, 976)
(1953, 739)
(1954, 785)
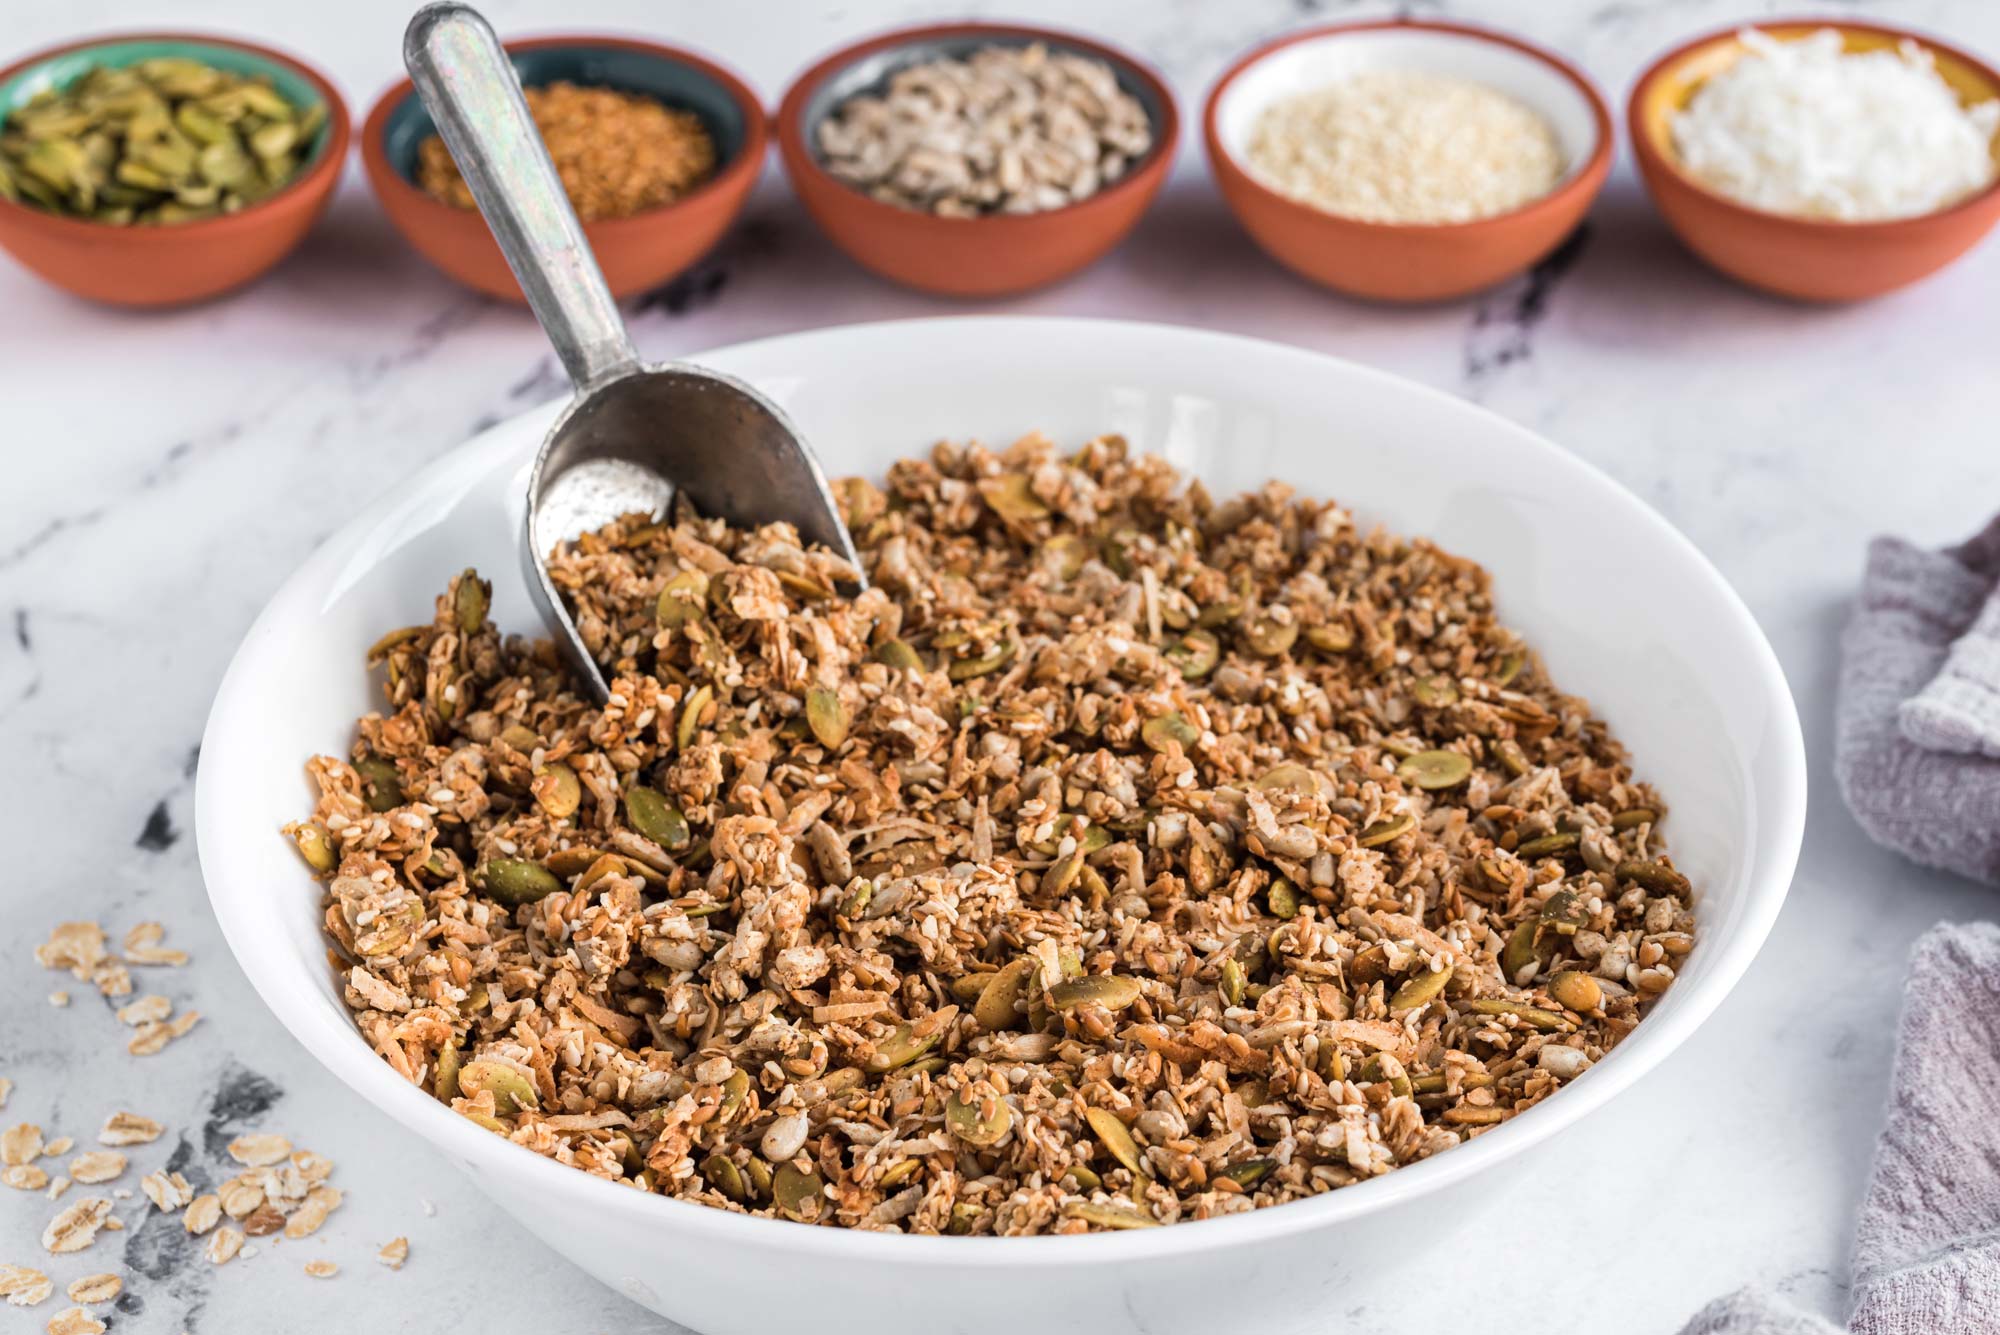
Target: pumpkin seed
(1269, 635)
(1069, 552)
(1634, 817)
(1109, 1216)
(1434, 691)
(1655, 876)
(315, 845)
(735, 1090)
(723, 1174)
(558, 790)
(1576, 991)
(980, 1120)
(648, 811)
(381, 783)
(797, 1192)
(444, 1084)
(1283, 898)
(898, 655)
(995, 1010)
(512, 1091)
(1289, 776)
(1420, 990)
(517, 881)
(1158, 733)
(827, 717)
(1548, 845)
(1111, 991)
(757, 1174)
(1115, 1139)
(1233, 982)
(1249, 1172)
(692, 708)
(1512, 758)
(1565, 912)
(1387, 829)
(1534, 1015)
(1012, 497)
(472, 596)
(683, 598)
(1509, 666)
(898, 1173)
(900, 1048)
(1436, 769)
(1520, 951)
(1195, 654)
(1331, 639)
(966, 669)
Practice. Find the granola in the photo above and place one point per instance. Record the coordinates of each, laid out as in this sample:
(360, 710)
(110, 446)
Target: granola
(1119, 857)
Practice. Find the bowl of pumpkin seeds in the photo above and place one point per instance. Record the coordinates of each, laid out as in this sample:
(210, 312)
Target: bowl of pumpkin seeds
(157, 169)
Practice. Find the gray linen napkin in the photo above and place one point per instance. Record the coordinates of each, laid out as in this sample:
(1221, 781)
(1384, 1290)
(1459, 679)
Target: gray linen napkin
(1927, 1247)
(1918, 721)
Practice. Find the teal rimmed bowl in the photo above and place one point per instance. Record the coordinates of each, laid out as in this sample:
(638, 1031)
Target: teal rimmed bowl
(183, 262)
(636, 253)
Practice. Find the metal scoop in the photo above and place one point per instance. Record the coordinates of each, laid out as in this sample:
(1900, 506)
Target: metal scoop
(635, 434)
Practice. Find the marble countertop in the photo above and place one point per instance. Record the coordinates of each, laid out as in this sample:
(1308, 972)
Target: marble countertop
(167, 470)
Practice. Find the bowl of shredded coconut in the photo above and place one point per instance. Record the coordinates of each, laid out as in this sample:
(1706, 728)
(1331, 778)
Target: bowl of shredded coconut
(1406, 160)
(1821, 161)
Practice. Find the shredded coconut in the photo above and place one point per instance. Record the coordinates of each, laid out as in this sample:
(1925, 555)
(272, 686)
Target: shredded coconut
(1806, 128)
(1406, 147)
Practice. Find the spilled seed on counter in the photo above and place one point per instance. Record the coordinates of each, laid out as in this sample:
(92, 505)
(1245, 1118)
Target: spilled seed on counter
(168, 140)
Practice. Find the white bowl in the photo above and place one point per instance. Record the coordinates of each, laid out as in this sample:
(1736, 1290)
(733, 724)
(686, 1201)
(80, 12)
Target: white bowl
(1622, 606)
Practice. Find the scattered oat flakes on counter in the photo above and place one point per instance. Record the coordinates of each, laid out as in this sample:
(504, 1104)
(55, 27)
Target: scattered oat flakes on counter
(96, 1288)
(59, 1146)
(24, 1176)
(223, 1245)
(259, 1151)
(167, 1191)
(58, 999)
(6, 1088)
(57, 1186)
(20, 1143)
(148, 1009)
(394, 1252)
(155, 1035)
(142, 946)
(77, 1225)
(203, 1213)
(322, 1269)
(94, 1166)
(76, 946)
(24, 1287)
(75, 1321)
(128, 1128)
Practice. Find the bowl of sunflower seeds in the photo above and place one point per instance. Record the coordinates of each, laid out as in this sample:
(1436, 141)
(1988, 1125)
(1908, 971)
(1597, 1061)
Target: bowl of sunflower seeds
(157, 169)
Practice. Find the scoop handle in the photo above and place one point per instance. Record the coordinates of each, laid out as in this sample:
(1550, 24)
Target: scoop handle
(470, 88)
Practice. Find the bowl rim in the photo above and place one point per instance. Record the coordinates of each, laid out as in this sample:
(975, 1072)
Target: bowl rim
(332, 161)
(1586, 180)
(1652, 157)
(799, 156)
(1773, 848)
(748, 162)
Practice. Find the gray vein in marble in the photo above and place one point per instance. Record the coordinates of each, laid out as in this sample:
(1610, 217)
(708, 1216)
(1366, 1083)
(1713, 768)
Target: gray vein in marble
(1503, 326)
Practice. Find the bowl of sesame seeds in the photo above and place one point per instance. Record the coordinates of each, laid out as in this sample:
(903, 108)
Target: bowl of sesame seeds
(657, 148)
(1406, 160)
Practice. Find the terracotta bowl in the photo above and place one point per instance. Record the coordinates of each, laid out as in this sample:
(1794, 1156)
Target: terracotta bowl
(1406, 262)
(636, 253)
(966, 257)
(173, 265)
(1806, 258)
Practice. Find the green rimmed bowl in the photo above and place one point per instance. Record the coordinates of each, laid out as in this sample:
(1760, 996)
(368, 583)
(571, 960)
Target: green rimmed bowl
(635, 253)
(182, 262)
